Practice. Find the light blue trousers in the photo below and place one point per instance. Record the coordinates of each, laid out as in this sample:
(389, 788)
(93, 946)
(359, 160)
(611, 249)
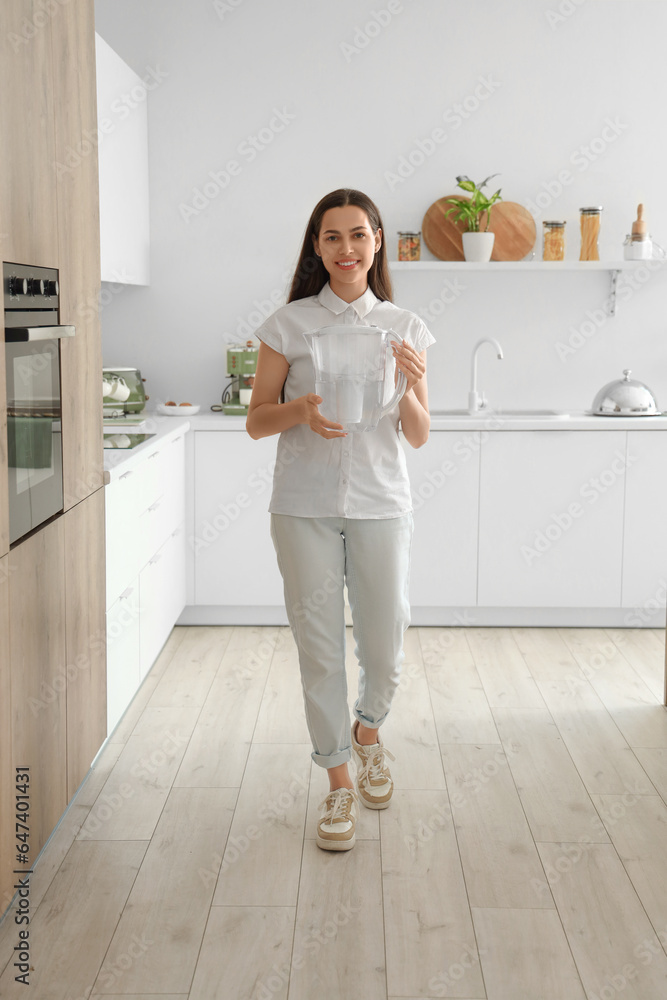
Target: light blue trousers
(316, 556)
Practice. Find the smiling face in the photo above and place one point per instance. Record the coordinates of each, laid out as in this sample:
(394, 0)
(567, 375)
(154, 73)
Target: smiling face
(347, 246)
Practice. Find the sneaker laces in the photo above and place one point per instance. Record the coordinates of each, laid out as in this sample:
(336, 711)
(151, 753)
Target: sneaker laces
(338, 804)
(372, 771)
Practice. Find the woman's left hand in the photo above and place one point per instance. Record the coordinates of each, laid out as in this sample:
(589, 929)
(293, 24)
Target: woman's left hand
(409, 362)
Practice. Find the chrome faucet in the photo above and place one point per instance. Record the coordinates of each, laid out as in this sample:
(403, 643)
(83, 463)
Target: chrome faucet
(476, 401)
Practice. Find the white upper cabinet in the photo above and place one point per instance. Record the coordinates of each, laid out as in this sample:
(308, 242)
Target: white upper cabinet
(122, 123)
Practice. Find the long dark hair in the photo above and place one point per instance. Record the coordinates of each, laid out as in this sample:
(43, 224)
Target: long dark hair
(311, 276)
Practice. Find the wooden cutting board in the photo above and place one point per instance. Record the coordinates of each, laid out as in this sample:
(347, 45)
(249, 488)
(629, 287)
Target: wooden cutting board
(512, 224)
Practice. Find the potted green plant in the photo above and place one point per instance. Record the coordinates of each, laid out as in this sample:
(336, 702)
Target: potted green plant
(477, 243)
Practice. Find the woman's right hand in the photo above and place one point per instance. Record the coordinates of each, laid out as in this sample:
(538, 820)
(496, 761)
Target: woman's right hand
(312, 416)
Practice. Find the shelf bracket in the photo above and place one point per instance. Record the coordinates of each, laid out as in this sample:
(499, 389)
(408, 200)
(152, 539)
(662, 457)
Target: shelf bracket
(612, 297)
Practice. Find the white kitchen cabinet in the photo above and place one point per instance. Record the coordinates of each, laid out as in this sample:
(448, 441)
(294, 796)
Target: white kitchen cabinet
(146, 573)
(551, 519)
(234, 559)
(645, 529)
(122, 121)
(444, 481)
(162, 597)
(123, 663)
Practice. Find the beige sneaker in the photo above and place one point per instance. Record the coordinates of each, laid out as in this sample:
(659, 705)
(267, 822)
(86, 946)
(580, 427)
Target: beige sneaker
(374, 782)
(336, 828)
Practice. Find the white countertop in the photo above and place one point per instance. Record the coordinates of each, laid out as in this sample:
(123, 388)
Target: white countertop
(120, 460)
(161, 428)
(575, 421)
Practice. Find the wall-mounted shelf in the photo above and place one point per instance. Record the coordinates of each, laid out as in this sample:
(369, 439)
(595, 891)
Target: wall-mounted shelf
(519, 265)
(614, 267)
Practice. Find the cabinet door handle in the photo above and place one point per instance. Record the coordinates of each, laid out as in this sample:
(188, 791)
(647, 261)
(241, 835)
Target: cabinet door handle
(176, 440)
(156, 558)
(154, 506)
(154, 455)
(126, 593)
(124, 475)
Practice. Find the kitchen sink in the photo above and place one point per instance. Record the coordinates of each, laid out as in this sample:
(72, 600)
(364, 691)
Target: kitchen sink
(500, 414)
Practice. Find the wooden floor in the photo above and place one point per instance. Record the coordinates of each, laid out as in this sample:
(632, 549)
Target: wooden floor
(523, 857)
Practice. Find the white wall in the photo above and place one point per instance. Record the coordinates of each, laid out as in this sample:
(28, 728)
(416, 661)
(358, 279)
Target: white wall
(556, 80)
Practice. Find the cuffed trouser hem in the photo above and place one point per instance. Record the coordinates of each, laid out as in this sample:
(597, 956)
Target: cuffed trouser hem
(333, 759)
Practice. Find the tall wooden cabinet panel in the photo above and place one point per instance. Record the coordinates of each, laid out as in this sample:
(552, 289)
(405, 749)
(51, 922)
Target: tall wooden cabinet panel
(85, 637)
(28, 208)
(73, 44)
(38, 674)
(6, 812)
(4, 495)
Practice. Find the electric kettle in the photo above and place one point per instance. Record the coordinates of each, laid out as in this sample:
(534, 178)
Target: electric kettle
(353, 373)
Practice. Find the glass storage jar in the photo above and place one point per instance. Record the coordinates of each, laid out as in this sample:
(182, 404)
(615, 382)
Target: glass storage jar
(553, 240)
(409, 246)
(590, 231)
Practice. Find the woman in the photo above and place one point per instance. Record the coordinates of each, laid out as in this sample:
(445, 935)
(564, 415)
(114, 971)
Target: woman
(341, 509)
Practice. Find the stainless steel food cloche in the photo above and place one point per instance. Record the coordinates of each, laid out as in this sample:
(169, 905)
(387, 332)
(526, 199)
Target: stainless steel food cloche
(626, 397)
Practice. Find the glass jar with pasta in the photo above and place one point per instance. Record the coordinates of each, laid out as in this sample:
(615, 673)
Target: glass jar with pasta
(553, 241)
(409, 245)
(590, 231)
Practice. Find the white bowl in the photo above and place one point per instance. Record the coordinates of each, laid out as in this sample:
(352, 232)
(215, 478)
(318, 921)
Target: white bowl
(177, 411)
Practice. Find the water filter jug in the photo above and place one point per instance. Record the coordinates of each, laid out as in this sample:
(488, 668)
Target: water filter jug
(354, 372)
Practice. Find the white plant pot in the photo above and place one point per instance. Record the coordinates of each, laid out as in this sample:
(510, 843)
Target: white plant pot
(478, 246)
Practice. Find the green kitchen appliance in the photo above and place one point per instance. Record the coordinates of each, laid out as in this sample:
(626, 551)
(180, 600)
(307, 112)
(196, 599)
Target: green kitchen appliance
(123, 392)
(241, 368)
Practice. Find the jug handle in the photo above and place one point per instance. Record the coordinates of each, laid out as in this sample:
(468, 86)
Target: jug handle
(402, 382)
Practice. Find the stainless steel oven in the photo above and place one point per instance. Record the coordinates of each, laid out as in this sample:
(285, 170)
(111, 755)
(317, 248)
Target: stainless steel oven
(34, 433)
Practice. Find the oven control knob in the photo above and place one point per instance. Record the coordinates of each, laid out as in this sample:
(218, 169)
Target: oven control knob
(51, 287)
(18, 286)
(36, 286)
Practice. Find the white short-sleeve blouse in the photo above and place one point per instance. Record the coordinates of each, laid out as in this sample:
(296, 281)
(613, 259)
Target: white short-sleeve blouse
(363, 475)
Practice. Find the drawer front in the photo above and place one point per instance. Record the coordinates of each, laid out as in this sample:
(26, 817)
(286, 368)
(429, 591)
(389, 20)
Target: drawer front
(123, 663)
(162, 589)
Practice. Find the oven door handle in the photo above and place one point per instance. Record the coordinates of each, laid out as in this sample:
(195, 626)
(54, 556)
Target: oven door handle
(20, 334)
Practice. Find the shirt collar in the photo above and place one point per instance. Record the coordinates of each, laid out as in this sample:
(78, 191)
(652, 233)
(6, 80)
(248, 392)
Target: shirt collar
(362, 306)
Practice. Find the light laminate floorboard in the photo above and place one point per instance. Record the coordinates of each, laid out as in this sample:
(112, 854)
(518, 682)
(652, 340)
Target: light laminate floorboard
(171, 896)
(605, 923)
(91, 888)
(428, 927)
(632, 705)
(500, 861)
(522, 856)
(637, 826)
(553, 796)
(524, 954)
(460, 706)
